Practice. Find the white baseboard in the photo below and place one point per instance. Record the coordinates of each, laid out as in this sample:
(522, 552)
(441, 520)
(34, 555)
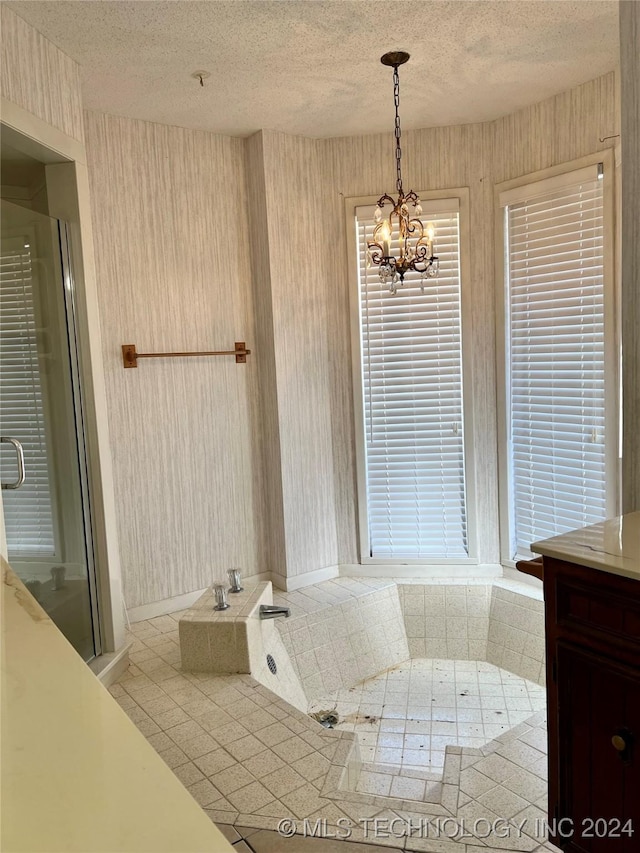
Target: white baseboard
(306, 579)
(110, 666)
(180, 602)
(424, 574)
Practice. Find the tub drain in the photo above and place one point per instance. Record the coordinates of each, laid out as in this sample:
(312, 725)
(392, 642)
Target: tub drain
(271, 664)
(328, 719)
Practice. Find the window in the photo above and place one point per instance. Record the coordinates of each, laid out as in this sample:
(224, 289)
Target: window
(27, 510)
(409, 399)
(557, 357)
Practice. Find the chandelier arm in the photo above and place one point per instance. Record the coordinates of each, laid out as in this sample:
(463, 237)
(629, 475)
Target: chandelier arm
(376, 253)
(421, 256)
(384, 199)
(413, 224)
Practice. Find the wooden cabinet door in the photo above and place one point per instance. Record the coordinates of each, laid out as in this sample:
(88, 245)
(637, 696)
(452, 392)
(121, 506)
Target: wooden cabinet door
(599, 752)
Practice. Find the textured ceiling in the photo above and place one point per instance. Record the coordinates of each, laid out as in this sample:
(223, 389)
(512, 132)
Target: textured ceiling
(312, 67)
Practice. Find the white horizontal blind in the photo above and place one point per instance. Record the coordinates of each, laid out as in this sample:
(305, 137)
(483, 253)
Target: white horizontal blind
(556, 360)
(27, 510)
(412, 395)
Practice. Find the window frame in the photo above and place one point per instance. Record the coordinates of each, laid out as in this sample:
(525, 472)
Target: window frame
(461, 196)
(556, 175)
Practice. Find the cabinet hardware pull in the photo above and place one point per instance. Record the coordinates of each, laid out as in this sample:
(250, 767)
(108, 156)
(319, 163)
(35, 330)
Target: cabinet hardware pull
(619, 743)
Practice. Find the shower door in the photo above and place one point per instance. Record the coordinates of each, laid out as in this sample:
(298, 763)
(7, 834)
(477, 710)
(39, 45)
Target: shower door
(42, 453)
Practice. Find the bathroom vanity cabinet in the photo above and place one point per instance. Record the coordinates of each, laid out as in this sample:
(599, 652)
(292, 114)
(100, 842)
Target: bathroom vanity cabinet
(592, 616)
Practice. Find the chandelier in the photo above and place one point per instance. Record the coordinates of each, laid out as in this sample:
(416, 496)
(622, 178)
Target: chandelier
(403, 227)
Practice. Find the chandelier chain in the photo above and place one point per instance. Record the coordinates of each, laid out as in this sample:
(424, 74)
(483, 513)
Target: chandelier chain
(396, 101)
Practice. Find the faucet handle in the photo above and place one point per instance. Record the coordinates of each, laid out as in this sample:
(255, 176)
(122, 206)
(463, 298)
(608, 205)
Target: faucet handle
(220, 593)
(234, 580)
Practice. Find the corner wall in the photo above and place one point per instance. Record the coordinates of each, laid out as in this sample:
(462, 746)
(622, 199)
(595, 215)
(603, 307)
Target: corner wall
(167, 206)
(268, 435)
(294, 177)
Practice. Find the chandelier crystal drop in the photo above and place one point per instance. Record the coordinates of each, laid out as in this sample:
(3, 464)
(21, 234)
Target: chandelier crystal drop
(402, 226)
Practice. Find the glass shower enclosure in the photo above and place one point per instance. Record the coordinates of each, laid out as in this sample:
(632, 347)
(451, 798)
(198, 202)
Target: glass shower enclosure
(43, 468)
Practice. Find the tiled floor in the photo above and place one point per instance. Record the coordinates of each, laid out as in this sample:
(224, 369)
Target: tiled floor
(250, 760)
(246, 840)
(405, 717)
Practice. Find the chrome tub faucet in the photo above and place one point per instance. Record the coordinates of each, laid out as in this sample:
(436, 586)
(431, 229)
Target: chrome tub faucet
(272, 611)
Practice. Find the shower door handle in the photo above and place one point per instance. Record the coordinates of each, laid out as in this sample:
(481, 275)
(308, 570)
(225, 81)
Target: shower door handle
(20, 454)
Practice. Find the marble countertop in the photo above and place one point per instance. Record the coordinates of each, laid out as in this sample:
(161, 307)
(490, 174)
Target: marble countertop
(76, 774)
(611, 546)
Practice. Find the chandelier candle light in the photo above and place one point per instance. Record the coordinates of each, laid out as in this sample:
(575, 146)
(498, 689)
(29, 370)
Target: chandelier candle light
(415, 241)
